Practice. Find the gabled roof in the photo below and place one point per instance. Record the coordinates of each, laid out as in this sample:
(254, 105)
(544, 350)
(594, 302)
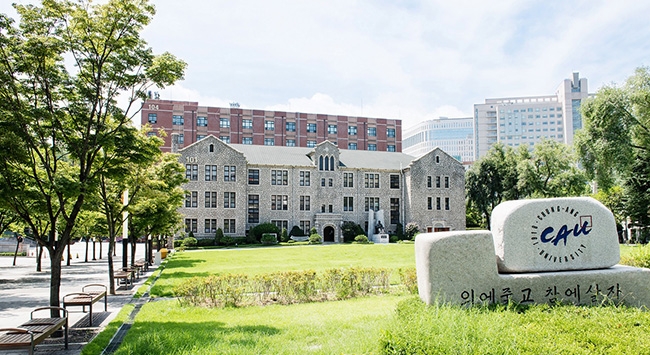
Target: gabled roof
(299, 156)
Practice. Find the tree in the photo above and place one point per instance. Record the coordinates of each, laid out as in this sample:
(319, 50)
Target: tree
(125, 177)
(551, 171)
(411, 230)
(350, 230)
(218, 236)
(57, 119)
(154, 210)
(614, 143)
(492, 180)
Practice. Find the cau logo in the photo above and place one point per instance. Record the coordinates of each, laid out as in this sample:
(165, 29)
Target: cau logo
(564, 232)
(557, 231)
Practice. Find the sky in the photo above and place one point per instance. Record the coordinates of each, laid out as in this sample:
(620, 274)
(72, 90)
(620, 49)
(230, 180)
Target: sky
(403, 59)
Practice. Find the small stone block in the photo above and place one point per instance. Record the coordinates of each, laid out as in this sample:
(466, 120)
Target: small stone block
(554, 234)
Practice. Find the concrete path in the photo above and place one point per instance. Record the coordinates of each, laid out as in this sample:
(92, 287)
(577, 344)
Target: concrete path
(22, 289)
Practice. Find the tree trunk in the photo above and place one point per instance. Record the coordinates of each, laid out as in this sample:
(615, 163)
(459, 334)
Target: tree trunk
(55, 278)
(111, 280)
(133, 245)
(69, 255)
(94, 258)
(16, 252)
(150, 255)
(86, 258)
(39, 253)
(100, 249)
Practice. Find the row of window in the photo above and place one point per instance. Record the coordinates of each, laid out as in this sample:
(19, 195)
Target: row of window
(278, 202)
(281, 177)
(202, 121)
(530, 109)
(180, 139)
(281, 203)
(438, 203)
(211, 172)
(229, 225)
(439, 180)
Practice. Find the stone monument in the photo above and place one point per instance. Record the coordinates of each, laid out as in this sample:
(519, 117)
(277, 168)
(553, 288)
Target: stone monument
(376, 230)
(539, 251)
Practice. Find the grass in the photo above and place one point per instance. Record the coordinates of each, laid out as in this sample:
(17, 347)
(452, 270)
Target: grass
(100, 342)
(265, 260)
(538, 329)
(341, 327)
(386, 324)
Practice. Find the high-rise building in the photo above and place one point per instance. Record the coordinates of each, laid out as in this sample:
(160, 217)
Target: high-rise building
(188, 122)
(516, 121)
(455, 136)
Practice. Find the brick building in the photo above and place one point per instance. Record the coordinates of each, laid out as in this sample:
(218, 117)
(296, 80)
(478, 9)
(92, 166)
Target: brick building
(191, 122)
(237, 186)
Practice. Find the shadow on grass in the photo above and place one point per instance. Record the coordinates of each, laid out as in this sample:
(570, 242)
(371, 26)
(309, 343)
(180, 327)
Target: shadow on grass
(177, 337)
(180, 263)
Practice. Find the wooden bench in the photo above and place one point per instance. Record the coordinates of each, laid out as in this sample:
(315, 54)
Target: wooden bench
(141, 265)
(33, 332)
(125, 275)
(87, 297)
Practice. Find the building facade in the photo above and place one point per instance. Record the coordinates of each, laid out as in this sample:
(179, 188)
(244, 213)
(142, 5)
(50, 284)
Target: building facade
(516, 121)
(236, 187)
(455, 136)
(189, 122)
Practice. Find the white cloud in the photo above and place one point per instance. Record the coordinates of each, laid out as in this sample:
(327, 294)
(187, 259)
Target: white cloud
(411, 59)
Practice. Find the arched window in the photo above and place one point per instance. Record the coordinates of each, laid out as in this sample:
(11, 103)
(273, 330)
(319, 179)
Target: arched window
(211, 148)
(327, 164)
(320, 163)
(332, 163)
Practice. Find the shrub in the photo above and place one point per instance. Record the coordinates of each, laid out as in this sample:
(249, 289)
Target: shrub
(205, 242)
(218, 235)
(296, 231)
(190, 242)
(393, 238)
(350, 231)
(257, 231)
(285, 236)
(313, 231)
(399, 232)
(409, 278)
(315, 239)
(269, 238)
(249, 239)
(361, 239)
(412, 230)
(228, 241)
(178, 243)
(355, 281)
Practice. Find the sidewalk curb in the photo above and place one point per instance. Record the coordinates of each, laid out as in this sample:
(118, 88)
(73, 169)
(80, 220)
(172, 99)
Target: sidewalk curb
(121, 332)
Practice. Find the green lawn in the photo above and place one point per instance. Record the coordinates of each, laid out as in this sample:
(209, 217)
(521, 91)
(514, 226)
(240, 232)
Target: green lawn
(384, 324)
(341, 327)
(266, 260)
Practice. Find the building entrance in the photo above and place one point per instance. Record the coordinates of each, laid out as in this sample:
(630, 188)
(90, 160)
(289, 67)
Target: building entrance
(328, 234)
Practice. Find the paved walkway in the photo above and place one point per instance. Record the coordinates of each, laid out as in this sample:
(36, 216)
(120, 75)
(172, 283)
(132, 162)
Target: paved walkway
(22, 289)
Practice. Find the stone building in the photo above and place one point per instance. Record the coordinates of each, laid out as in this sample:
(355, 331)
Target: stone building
(236, 187)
